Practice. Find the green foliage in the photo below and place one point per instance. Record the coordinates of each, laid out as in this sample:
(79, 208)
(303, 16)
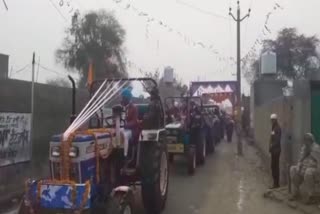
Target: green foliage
(297, 55)
(98, 37)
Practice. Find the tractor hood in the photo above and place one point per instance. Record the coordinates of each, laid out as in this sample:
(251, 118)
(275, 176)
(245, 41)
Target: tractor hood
(175, 125)
(80, 138)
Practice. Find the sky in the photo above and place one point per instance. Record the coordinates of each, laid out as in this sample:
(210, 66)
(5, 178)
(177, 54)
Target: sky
(39, 26)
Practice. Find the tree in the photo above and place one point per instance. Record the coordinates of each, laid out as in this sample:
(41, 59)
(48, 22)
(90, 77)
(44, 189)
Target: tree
(59, 82)
(95, 37)
(297, 55)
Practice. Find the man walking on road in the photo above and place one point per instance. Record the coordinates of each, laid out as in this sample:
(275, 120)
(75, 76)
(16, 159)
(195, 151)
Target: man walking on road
(275, 150)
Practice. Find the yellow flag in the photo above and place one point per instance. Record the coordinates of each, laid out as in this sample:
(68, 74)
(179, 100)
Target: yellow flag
(90, 75)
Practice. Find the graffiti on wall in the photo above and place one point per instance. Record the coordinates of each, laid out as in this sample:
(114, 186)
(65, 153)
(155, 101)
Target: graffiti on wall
(15, 145)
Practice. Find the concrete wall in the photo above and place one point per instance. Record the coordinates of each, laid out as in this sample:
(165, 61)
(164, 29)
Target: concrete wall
(51, 116)
(294, 116)
(262, 129)
(4, 66)
(267, 89)
(301, 117)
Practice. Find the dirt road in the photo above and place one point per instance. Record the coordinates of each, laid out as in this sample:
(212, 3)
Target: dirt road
(227, 184)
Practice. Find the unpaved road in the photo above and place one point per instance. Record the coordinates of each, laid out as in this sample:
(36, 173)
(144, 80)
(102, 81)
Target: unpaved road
(227, 184)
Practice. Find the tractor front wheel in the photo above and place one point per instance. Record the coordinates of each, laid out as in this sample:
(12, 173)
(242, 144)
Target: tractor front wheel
(121, 203)
(154, 176)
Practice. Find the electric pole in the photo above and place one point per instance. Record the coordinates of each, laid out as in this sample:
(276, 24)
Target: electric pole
(239, 110)
(32, 100)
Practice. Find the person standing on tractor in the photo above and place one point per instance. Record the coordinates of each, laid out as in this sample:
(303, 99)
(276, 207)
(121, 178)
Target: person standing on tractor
(131, 120)
(152, 119)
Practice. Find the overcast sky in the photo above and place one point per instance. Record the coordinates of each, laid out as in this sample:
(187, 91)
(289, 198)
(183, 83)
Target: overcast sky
(35, 25)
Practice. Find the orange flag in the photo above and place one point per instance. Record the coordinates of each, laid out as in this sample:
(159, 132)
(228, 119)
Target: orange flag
(90, 75)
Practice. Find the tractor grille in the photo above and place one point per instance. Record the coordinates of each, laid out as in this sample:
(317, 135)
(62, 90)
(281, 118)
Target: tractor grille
(74, 171)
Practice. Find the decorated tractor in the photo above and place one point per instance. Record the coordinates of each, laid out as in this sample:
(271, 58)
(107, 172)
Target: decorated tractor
(185, 130)
(99, 160)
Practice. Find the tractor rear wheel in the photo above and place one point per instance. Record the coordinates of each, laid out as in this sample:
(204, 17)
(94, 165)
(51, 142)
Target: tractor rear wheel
(201, 147)
(154, 176)
(210, 144)
(171, 158)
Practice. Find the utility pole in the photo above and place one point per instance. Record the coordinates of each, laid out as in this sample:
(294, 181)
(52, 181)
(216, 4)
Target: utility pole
(32, 99)
(239, 110)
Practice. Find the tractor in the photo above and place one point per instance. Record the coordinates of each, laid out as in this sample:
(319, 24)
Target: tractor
(96, 169)
(185, 130)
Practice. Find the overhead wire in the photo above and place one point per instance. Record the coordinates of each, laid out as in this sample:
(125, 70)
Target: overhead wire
(247, 23)
(188, 40)
(19, 70)
(201, 10)
(230, 33)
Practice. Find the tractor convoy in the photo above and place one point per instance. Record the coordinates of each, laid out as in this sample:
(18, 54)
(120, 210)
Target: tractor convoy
(100, 161)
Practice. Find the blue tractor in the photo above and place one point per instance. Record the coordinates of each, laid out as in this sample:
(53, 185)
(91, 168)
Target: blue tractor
(93, 170)
(186, 130)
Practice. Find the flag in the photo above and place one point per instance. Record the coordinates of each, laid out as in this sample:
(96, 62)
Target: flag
(90, 75)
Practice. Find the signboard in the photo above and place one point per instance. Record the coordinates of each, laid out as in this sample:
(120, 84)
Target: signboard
(15, 143)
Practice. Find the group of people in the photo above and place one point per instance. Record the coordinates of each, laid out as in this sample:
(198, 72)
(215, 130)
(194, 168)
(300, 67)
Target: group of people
(306, 171)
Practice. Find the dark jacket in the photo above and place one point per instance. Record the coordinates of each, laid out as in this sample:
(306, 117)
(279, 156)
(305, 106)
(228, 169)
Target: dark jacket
(275, 139)
(152, 119)
(132, 121)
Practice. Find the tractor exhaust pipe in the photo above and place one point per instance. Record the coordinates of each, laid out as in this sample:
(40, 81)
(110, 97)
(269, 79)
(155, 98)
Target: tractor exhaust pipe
(73, 113)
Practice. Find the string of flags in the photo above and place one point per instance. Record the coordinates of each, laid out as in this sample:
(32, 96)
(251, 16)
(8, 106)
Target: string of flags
(185, 38)
(68, 7)
(253, 54)
(266, 31)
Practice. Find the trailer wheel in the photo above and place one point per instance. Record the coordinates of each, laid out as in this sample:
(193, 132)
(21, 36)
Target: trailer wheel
(154, 176)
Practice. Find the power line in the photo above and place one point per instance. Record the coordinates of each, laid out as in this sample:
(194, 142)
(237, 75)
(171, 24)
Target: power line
(246, 27)
(53, 71)
(19, 70)
(200, 10)
(57, 9)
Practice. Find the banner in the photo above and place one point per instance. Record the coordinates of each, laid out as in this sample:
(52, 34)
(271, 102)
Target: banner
(15, 145)
(217, 90)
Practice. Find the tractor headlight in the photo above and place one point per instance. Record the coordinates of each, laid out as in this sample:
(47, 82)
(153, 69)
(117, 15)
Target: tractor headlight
(55, 151)
(74, 152)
